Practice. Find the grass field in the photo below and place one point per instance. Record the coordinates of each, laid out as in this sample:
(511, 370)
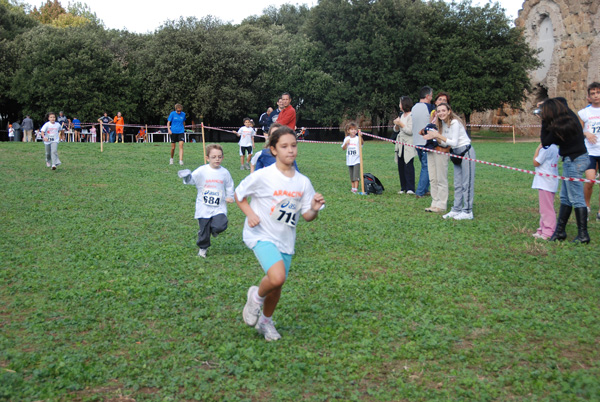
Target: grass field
(102, 296)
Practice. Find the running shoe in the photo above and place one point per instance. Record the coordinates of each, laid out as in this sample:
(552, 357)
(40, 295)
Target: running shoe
(268, 330)
(171, 161)
(251, 310)
(450, 214)
(464, 216)
(202, 252)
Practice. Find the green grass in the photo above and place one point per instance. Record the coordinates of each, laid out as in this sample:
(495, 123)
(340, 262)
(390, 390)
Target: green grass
(102, 296)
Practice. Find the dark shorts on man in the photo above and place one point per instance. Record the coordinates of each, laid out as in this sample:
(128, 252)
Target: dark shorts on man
(594, 162)
(177, 138)
(245, 150)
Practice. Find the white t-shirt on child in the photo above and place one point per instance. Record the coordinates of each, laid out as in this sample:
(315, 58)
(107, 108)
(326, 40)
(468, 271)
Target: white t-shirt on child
(352, 155)
(51, 131)
(246, 134)
(548, 160)
(214, 185)
(278, 201)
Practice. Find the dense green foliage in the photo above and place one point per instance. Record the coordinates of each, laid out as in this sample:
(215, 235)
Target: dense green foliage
(339, 59)
(102, 296)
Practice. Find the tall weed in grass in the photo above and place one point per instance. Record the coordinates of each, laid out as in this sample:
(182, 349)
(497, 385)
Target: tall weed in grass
(102, 296)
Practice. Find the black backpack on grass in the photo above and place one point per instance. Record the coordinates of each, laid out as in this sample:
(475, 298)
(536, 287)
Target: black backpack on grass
(372, 184)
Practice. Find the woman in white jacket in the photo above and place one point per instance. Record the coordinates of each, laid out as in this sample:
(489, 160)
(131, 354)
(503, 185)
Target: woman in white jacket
(454, 135)
(405, 154)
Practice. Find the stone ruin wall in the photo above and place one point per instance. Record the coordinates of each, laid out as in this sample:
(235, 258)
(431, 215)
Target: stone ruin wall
(568, 34)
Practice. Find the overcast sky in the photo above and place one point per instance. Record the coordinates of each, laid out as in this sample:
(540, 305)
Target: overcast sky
(146, 16)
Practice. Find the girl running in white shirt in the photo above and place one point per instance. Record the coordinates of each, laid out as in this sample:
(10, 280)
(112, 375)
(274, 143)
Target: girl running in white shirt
(279, 194)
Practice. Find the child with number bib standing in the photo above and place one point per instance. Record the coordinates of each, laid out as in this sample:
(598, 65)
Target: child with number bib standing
(215, 190)
(350, 145)
(51, 134)
(545, 161)
(279, 195)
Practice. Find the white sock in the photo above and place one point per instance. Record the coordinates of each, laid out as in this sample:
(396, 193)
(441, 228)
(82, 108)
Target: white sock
(258, 299)
(264, 319)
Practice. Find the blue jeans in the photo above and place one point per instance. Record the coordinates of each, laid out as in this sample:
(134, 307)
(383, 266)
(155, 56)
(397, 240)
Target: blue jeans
(571, 193)
(423, 185)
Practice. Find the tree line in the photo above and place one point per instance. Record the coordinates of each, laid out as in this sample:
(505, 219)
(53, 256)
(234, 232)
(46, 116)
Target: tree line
(339, 59)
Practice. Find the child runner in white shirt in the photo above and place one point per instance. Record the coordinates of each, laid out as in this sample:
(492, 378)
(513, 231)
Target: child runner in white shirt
(246, 143)
(279, 194)
(51, 135)
(350, 145)
(545, 161)
(215, 190)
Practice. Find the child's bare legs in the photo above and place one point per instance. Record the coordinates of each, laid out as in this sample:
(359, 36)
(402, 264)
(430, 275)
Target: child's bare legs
(180, 150)
(242, 160)
(270, 287)
(355, 184)
(588, 188)
(172, 149)
(249, 158)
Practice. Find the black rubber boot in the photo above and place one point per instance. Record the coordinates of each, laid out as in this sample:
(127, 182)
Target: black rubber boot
(560, 233)
(581, 214)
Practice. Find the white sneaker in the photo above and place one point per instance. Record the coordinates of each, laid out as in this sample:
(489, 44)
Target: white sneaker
(171, 161)
(410, 192)
(463, 216)
(53, 167)
(242, 167)
(268, 330)
(181, 162)
(400, 192)
(48, 164)
(202, 252)
(251, 310)
(451, 214)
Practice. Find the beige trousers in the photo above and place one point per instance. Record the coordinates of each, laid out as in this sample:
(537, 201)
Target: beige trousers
(437, 166)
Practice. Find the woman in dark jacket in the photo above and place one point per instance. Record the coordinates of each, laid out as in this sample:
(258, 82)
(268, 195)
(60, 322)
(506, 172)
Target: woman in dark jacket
(561, 126)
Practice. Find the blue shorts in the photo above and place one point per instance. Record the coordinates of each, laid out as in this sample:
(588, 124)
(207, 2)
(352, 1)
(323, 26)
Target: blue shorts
(268, 254)
(594, 160)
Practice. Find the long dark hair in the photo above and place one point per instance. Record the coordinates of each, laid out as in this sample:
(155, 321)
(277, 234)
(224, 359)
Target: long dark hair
(559, 119)
(277, 134)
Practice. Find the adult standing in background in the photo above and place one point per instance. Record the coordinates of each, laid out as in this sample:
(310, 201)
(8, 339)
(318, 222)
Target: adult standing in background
(265, 120)
(421, 115)
(287, 116)
(76, 129)
(561, 126)
(275, 113)
(64, 124)
(405, 155)
(119, 127)
(27, 124)
(437, 165)
(105, 120)
(176, 129)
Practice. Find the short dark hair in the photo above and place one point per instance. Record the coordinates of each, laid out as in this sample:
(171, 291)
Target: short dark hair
(425, 91)
(247, 119)
(406, 103)
(286, 93)
(593, 85)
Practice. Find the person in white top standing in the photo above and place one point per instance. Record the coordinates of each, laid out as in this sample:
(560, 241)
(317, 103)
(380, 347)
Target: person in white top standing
(51, 134)
(455, 136)
(590, 118)
(351, 145)
(215, 190)
(246, 142)
(279, 195)
(545, 161)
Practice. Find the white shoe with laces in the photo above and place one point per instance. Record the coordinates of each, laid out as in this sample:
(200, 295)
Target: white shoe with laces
(464, 216)
(181, 162)
(268, 330)
(171, 161)
(251, 310)
(451, 214)
(202, 252)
